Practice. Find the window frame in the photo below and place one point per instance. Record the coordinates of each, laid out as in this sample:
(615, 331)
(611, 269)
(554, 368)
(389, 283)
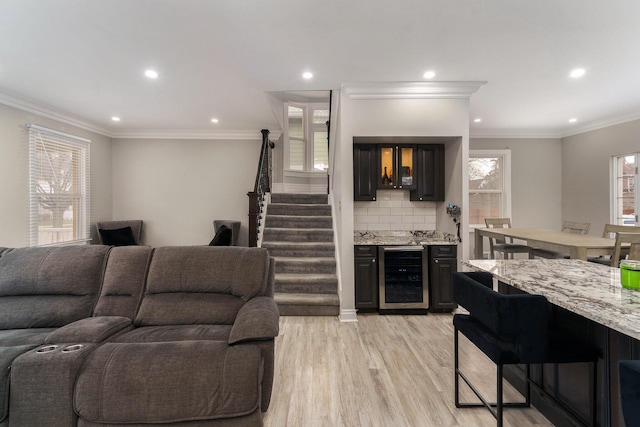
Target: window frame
(505, 156)
(309, 130)
(80, 149)
(615, 216)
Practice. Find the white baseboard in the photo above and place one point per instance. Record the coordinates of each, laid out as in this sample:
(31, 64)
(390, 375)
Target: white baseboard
(348, 315)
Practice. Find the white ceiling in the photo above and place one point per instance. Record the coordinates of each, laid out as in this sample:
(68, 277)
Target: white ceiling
(220, 58)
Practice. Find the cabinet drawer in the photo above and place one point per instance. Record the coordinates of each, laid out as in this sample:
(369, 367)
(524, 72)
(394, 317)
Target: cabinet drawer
(366, 251)
(449, 251)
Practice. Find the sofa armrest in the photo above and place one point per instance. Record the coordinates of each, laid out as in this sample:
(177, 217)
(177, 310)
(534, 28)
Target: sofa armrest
(90, 329)
(257, 320)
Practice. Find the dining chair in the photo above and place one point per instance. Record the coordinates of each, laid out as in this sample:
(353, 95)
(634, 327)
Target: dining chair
(567, 227)
(506, 246)
(610, 231)
(633, 239)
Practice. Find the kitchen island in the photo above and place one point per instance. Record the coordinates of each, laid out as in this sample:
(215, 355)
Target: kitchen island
(589, 302)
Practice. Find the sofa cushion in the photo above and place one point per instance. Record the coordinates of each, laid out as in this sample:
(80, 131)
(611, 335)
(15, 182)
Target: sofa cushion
(176, 333)
(201, 284)
(124, 281)
(150, 383)
(46, 287)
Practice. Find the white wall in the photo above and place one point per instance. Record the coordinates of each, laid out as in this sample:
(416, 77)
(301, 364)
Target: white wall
(390, 117)
(14, 173)
(586, 181)
(178, 187)
(536, 180)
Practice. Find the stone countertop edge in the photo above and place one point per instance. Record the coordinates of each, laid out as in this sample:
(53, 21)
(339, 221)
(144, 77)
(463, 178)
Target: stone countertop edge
(409, 238)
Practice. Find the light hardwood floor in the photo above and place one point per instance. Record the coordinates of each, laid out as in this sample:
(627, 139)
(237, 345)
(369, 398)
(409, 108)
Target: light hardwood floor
(387, 371)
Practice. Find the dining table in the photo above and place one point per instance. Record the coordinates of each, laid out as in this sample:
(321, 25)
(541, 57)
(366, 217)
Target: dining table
(578, 246)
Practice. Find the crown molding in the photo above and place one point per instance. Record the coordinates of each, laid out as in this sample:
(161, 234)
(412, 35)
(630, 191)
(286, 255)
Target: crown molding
(602, 123)
(66, 118)
(411, 90)
(239, 135)
(52, 113)
(515, 133)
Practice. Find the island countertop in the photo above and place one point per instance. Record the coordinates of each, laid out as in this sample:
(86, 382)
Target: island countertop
(585, 288)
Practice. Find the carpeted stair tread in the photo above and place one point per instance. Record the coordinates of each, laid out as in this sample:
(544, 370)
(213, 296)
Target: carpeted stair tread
(304, 199)
(298, 234)
(306, 283)
(309, 265)
(306, 299)
(300, 249)
(299, 210)
(300, 221)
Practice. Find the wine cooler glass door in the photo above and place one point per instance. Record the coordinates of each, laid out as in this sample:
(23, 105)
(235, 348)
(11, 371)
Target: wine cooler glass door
(403, 273)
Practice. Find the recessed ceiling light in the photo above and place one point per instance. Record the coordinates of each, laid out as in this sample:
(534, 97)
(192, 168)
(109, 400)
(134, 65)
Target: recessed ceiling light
(429, 74)
(115, 118)
(577, 73)
(573, 120)
(214, 120)
(307, 75)
(478, 120)
(151, 74)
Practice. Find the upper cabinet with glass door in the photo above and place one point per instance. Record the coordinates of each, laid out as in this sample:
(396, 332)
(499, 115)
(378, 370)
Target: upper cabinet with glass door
(397, 167)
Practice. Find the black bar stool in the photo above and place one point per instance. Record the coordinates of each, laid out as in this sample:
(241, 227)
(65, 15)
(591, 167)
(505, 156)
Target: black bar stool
(510, 329)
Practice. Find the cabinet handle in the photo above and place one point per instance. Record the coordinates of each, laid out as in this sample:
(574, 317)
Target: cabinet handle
(373, 260)
(436, 261)
(374, 198)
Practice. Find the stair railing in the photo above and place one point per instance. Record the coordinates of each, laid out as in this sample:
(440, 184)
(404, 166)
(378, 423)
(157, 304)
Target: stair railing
(261, 187)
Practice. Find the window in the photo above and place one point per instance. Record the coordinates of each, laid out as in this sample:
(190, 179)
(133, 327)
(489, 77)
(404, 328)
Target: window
(307, 137)
(489, 185)
(625, 200)
(59, 187)
(296, 138)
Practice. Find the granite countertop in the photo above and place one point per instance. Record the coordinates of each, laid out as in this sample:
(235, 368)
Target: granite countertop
(585, 288)
(404, 238)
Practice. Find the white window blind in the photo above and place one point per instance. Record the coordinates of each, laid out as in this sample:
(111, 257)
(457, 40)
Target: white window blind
(59, 187)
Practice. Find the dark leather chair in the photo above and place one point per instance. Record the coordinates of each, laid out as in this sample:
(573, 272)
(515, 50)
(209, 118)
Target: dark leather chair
(510, 329)
(629, 371)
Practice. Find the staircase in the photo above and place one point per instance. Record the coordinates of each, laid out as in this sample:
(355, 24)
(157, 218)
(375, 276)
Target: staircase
(298, 233)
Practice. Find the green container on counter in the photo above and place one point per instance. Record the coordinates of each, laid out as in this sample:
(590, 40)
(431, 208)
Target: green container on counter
(630, 274)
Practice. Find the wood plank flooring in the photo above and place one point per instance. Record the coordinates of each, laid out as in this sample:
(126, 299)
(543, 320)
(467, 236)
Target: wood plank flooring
(387, 371)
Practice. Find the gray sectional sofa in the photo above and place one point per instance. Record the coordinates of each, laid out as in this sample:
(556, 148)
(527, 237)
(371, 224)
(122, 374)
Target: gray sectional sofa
(101, 336)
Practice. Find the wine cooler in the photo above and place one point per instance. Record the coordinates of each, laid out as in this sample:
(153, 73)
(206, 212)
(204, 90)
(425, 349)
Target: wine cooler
(403, 273)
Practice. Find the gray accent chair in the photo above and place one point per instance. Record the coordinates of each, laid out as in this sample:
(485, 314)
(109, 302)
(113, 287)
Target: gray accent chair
(135, 224)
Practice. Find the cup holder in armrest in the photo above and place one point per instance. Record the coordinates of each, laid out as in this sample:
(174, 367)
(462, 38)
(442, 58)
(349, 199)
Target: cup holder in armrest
(46, 349)
(72, 348)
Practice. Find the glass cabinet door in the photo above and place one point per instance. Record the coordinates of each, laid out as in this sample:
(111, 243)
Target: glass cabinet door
(387, 167)
(406, 168)
(397, 167)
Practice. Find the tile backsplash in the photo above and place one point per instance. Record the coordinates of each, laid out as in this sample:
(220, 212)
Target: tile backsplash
(394, 211)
